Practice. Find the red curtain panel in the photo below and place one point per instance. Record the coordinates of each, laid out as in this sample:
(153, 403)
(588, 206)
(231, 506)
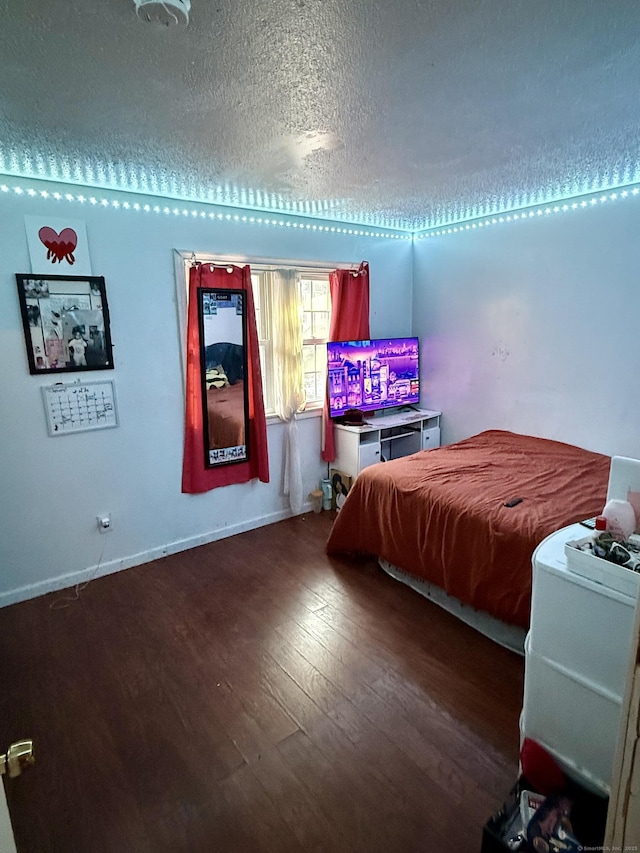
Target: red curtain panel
(349, 322)
(195, 477)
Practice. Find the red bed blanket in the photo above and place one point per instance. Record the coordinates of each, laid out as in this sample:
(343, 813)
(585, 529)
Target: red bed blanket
(440, 514)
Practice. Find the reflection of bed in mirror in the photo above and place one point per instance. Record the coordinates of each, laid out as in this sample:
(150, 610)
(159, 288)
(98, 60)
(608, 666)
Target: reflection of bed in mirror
(225, 395)
(225, 408)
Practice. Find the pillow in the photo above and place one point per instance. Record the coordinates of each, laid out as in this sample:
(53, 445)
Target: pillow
(216, 377)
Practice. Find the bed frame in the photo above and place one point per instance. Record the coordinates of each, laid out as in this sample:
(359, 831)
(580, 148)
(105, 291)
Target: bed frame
(510, 636)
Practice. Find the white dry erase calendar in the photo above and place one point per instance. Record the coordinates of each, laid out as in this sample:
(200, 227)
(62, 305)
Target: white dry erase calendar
(79, 406)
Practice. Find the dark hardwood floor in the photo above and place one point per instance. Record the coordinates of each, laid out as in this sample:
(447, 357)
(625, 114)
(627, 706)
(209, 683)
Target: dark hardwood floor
(255, 695)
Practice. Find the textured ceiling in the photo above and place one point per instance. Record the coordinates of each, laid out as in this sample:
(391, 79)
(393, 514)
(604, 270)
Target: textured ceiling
(405, 113)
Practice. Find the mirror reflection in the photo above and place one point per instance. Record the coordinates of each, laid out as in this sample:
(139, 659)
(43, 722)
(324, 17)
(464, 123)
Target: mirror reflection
(223, 362)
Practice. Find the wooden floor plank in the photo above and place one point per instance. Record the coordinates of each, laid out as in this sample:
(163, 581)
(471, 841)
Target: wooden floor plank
(255, 695)
(314, 830)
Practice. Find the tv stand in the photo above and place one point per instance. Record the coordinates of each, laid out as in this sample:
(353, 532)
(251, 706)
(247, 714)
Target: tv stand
(384, 437)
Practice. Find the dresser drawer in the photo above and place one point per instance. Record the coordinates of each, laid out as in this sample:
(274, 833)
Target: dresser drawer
(575, 721)
(582, 626)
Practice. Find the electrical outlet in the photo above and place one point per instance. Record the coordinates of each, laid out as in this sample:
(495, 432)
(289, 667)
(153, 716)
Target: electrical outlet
(104, 523)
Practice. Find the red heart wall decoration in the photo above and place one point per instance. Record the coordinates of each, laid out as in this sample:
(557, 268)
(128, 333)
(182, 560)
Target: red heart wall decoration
(59, 246)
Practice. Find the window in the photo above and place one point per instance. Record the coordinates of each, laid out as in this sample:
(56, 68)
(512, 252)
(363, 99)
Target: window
(315, 318)
(316, 315)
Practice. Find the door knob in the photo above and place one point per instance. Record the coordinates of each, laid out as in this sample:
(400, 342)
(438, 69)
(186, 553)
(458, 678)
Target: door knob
(18, 757)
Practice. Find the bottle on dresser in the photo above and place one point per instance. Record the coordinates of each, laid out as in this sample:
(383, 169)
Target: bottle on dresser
(621, 519)
(600, 536)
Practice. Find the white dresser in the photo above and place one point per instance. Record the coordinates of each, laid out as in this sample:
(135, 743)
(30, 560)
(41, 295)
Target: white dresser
(576, 660)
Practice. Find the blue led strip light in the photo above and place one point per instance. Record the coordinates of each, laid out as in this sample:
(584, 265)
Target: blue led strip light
(122, 200)
(128, 201)
(539, 211)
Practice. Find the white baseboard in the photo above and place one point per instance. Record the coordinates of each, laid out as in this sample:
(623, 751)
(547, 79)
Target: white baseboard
(23, 593)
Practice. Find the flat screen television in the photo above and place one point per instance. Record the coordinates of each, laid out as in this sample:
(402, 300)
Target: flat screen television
(371, 375)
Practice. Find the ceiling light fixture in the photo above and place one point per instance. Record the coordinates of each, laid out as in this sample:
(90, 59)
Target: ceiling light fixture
(165, 12)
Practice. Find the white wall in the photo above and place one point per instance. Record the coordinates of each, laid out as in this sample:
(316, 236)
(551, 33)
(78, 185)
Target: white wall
(535, 327)
(52, 489)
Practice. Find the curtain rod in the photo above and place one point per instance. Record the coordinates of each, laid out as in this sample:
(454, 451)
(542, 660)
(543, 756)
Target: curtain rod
(269, 263)
(196, 263)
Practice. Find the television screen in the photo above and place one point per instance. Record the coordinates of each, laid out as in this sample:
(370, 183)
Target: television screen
(370, 375)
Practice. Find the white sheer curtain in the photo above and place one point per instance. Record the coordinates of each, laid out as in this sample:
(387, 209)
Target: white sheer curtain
(288, 375)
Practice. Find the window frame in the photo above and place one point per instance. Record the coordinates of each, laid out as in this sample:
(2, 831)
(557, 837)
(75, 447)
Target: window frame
(183, 261)
(312, 276)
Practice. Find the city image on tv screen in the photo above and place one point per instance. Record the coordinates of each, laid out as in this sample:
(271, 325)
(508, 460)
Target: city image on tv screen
(370, 375)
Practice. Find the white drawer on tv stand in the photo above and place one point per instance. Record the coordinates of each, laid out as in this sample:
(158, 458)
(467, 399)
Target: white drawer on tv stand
(385, 437)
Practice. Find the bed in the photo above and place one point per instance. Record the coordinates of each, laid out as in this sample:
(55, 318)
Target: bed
(437, 519)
